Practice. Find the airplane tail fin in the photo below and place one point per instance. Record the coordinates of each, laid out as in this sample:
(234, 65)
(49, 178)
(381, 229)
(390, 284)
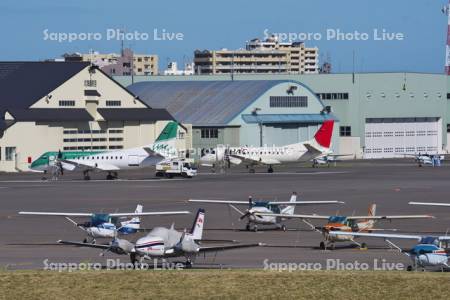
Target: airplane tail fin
(197, 227)
(165, 144)
(324, 134)
(372, 210)
(133, 223)
(289, 210)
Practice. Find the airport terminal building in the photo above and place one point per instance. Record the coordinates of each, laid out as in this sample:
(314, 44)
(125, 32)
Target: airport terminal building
(380, 115)
(70, 106)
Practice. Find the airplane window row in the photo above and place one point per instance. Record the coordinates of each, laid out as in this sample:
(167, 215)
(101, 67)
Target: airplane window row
(99, 157)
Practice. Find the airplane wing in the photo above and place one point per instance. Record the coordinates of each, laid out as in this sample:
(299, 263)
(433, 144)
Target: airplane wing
(286, 216)
(153, 213)
(378, 235)
(390, 217)
(79, 244)
(58, 214)
(312, 151)
(305, 202)
(219, 201)
(228, 247)
(429, 203)
(88, 165)
(249, 160)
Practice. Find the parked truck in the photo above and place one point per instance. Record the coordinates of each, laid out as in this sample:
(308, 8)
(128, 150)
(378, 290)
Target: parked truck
(177, 167)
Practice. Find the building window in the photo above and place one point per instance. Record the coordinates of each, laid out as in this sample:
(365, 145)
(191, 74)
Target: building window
(115, 139)
(288, 101)
(448, 96)
(66, 102)
(333, 96)
(345, 131)
(113, 103)
(448, 128)
(210, 133)
(10, 153)
(90, 83)
(115, 147)
(116, 131)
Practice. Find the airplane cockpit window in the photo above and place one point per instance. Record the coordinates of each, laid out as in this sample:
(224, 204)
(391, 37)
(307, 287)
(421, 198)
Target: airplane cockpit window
(337, 219)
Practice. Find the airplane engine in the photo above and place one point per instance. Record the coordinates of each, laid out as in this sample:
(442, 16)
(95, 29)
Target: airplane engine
(431, 259)
(187, 245)
(150, 246)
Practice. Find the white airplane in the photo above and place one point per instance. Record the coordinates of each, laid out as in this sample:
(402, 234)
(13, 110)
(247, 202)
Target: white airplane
(431, 251)
(429, 203)
(164, 243)
(270, 156)
(255, 208)
(345, 224)
(426, 159)
(103, 225)
(110, 161)
(327, 160)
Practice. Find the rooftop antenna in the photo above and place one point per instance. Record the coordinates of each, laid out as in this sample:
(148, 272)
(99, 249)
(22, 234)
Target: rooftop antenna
(446, 11)
(353, 72)
(122, 31)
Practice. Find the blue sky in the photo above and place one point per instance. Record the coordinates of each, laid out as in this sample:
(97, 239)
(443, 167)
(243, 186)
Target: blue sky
(206, 25)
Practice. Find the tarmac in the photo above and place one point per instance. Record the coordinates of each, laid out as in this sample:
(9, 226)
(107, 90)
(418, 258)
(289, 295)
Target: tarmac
(29, 242)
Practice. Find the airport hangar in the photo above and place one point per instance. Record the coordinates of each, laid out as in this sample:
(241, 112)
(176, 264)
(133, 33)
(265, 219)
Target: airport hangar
(251, 113)
(381, 115)
(71, 106)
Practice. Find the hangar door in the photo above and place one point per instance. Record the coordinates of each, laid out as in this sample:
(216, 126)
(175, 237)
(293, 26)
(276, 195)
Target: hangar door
(389, 138)
(285, 134)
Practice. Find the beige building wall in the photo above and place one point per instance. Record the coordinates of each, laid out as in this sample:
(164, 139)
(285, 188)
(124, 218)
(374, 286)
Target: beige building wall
(32, 139)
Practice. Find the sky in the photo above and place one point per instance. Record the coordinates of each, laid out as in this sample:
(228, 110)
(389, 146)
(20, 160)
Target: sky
(37, 30)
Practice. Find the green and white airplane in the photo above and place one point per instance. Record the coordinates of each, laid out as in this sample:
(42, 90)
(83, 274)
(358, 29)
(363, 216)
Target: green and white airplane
(110, 161)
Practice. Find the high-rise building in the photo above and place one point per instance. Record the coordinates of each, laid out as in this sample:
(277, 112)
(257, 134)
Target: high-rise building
(267, 56)
(119, 64)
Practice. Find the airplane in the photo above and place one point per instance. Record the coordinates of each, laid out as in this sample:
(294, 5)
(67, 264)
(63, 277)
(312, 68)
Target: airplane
(163, 242)
(429, 203)
(327, 159)
(344, 224)
(103, 225)
(426, 159)
(270, 156)
(110, 161)
(431, 251)
(270, 207)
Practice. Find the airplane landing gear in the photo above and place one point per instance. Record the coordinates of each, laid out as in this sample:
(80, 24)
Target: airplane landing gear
(111, 176)
(86, 175)
(283, 227)
(247, 227)
(270, 169)
(188, 264)
(251, 170)
(322, 245)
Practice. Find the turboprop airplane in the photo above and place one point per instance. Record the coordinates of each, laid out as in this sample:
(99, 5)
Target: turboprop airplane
(327, 159)
(252, 214)
(270, 156)
(163, 242)
(110, 161)
(345, 224)
(102, 225)
(431, 251)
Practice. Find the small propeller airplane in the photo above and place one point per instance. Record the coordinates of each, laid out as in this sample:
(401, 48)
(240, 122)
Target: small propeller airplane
(110, 161)
(426, 159)
(431, 251)
(163, 242)
(255, 210)
(269, 156)
(345, 224)
(103, 225)
(327, 160)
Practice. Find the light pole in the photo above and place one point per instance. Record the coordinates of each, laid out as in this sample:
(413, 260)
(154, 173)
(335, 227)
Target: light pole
(255, 113)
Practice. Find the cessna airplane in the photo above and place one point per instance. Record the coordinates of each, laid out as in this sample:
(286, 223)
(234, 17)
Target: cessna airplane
(164, 243)
(327, 160)
(103, 225)
(431, 251)
(256, 208)
(110, 161)
(427, 159)
(269, 156)
(344, 224)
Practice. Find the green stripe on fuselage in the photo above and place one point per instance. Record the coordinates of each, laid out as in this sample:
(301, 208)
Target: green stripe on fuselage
(45, 158)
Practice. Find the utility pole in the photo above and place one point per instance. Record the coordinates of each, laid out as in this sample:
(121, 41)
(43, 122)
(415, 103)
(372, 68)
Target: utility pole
(446, 11)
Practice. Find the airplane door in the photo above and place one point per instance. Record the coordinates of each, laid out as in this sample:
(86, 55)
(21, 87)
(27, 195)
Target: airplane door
(133, 161)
